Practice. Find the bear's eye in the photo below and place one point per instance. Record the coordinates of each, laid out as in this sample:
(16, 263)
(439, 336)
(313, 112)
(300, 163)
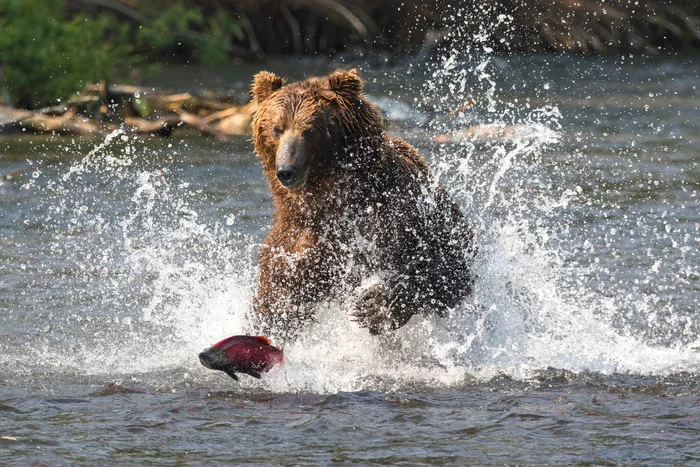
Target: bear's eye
(276, 132)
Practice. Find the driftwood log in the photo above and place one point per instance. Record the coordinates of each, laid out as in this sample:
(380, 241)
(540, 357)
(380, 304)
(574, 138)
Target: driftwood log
(47, 121)
(102, 108)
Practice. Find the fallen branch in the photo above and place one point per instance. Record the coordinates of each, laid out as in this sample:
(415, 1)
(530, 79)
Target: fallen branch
(160, 127)
(160, 100)
(221, 114)
(12, 116)
(66, 124)
(200, 125)
(240, 122)
(211, 114)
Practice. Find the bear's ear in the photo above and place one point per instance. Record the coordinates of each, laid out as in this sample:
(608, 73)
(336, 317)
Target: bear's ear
(345, 82)
(264, 84)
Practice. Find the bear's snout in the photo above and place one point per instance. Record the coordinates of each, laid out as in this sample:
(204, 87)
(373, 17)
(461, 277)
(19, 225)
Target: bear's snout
(292, 162)
(286, 174)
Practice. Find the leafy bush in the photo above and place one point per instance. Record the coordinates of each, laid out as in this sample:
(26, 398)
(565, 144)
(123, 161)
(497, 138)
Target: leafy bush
(47, 57)
(206, 40)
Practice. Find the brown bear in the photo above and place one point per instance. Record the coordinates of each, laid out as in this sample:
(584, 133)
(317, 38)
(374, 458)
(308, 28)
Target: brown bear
(351, 202)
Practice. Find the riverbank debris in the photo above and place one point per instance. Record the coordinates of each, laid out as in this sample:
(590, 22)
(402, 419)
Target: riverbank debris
(102, 108)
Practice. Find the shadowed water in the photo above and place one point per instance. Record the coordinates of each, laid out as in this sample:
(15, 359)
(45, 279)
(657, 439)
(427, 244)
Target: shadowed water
(122, 258)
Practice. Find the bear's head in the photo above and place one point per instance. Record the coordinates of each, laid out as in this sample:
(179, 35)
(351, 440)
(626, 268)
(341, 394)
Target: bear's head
(304, 131)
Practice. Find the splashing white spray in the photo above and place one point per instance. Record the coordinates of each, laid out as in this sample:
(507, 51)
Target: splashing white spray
(174, 283)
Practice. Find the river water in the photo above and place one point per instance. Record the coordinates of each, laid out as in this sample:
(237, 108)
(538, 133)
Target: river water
(123, 257)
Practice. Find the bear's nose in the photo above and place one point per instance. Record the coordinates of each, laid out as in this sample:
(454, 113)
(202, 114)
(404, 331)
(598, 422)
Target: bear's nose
(286, 174)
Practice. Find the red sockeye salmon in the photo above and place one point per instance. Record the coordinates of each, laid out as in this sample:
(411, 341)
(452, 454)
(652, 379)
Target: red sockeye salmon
(251, 355)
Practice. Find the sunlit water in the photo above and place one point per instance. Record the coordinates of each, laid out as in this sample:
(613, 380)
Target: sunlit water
(123, 257)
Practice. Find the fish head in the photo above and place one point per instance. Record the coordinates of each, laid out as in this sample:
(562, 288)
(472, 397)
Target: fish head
(214, 358)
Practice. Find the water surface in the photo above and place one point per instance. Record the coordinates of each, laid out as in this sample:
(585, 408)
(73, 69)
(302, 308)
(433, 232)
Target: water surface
(122, 258)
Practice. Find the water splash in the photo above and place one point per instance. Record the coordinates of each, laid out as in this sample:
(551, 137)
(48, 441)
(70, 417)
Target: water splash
(530, 309)
(153, 279)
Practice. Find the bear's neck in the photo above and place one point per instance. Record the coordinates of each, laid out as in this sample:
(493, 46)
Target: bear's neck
(310, 207)
(322, 203)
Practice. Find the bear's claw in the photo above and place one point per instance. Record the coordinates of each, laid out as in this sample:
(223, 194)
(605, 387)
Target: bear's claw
(373, 311)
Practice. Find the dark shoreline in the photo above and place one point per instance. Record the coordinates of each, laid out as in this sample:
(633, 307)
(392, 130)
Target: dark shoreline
(52, 49)
(331, 27)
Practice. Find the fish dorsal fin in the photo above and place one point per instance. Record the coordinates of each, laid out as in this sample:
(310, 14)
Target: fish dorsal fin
(263, 339)
(223, 343)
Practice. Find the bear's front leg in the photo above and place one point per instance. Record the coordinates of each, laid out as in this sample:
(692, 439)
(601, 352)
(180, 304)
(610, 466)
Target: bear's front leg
(420, 289)
(282, 302)
(294, 274)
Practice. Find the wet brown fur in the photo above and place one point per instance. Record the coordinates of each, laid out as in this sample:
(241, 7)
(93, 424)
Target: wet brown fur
(369, 205)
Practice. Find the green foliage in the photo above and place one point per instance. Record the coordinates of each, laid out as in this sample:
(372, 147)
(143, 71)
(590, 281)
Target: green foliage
(46, 59)
(207, 39)
(223, 29)
(160, 34)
